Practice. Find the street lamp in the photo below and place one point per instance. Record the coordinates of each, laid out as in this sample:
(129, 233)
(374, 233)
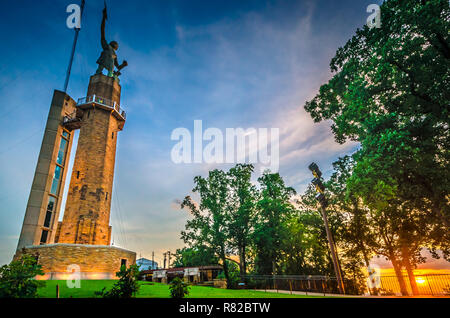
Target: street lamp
(320, 188)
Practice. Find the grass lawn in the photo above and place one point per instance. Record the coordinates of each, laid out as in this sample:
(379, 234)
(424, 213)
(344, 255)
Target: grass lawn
(151, 290)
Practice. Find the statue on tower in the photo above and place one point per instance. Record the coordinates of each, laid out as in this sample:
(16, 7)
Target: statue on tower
(108, 58)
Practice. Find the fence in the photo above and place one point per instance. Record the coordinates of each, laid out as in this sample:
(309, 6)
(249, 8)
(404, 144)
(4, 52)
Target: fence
(308, 284)
(429, 284)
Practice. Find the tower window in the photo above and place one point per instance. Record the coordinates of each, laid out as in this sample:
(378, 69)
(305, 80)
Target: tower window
(106, 198)
(56, 178)
(78, 174)
(123, 262)
(50, 208)
(62, 151)
(48, 218)
(44, 236)
(112, 135)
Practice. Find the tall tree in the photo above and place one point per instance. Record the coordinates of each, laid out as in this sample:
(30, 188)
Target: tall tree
(274, 208)
(242, 211)
(391, 88)
(391, 93)
(210, 219)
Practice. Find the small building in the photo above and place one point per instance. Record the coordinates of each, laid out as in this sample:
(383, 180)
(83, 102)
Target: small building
(194, 275)
(146, 264)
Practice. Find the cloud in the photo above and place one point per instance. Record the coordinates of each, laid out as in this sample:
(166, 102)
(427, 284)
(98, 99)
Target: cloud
(255, 68)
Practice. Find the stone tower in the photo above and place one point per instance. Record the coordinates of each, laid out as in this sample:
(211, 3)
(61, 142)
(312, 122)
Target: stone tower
(83, 237)
(87, 215)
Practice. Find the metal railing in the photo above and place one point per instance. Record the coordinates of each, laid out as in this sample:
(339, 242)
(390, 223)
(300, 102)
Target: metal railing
(102, 101)
(427, 285)
(304, 283)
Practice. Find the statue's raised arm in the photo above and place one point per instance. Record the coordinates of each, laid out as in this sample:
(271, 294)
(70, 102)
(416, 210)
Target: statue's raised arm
(108, 58)
(102, 29)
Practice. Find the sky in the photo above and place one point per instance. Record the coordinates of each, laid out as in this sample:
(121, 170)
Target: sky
(229, 63)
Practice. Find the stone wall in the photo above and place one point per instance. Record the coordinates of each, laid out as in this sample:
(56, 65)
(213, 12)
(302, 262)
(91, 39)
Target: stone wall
(95, 261)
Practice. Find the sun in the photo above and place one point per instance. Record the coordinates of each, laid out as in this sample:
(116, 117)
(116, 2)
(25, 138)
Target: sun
(420, 280)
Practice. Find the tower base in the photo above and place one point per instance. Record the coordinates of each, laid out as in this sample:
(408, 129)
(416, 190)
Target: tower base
(59, 260)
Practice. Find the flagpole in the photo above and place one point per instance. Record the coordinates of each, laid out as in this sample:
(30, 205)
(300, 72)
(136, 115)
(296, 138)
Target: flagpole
(74, 45)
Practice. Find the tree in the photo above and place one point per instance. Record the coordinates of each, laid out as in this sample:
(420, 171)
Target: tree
(304, 252)
(242, 212)
(17, 280)
(390, 92)
(127, 286)
(391, 88)
(210, 219)
(273, 209)
(222, 222)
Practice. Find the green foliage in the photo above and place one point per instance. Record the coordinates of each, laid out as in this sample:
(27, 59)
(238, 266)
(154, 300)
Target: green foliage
(198, 256)
(305, 249)
(209, 223)
(233, 274)
(17, 280)
(126, 287)
(221, 221)
(390, 92)
(242, 212)
(178, 288)
(273, 210)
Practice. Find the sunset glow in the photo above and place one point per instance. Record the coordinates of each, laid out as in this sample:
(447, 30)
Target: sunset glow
(420, 280)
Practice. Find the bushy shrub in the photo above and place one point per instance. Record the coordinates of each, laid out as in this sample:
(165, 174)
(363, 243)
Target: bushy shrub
(126, 287)
(17, 280)
(178, 288)
(233, 273)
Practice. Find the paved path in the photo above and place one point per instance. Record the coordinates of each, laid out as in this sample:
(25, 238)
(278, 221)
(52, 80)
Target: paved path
(306, 293)
(339, 295)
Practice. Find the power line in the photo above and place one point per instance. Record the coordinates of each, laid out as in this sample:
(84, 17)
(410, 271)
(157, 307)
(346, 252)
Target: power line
(21, 141)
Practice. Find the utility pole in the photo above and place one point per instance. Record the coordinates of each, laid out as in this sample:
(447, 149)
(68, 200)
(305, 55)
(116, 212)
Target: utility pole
(153, 260)
(74, 45)
(317, 182)
(165, 254)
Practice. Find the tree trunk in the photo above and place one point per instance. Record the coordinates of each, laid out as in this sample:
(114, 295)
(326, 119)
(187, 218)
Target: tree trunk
(225, 268)
(372, 291)
(242, 264)
(398, 273)
(409, 270)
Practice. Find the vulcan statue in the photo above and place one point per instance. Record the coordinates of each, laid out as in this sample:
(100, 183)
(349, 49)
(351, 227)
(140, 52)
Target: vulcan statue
(108, 58)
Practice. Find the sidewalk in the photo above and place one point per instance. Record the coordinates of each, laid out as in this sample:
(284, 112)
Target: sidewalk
(341, 296)
(308, 293)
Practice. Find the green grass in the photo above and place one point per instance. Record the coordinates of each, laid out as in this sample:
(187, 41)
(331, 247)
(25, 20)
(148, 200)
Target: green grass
(151, 290)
